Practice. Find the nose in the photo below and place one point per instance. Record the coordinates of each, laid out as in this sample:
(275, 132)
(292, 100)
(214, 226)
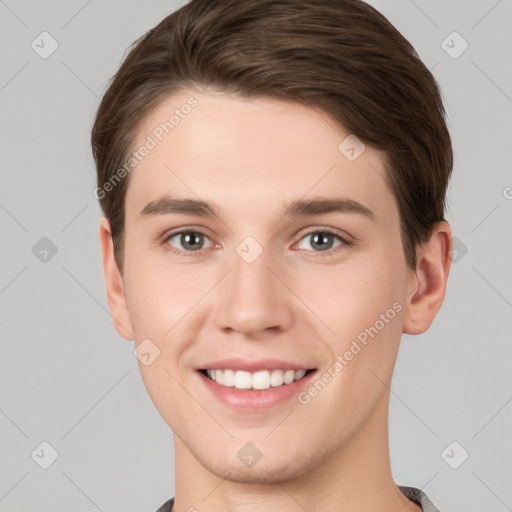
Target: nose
(253, 298)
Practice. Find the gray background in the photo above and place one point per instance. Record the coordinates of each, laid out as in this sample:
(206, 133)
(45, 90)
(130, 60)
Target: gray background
(68, 379)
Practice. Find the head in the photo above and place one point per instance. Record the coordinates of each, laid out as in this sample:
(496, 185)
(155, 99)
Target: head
(259, 108)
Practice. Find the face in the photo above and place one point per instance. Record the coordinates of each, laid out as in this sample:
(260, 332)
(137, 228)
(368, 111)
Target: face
(296, 264)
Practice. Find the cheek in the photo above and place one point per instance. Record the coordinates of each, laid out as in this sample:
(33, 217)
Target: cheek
(363, 307)
(159, 294)
(348, 298)
(166, 305)
(370, 330)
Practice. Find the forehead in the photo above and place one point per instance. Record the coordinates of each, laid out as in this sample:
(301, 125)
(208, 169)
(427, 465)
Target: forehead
(246, 153)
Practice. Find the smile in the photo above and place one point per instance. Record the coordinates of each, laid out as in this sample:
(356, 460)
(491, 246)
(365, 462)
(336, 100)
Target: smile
(263, 379)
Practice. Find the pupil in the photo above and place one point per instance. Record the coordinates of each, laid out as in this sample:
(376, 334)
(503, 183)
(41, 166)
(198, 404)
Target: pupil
(322, 238)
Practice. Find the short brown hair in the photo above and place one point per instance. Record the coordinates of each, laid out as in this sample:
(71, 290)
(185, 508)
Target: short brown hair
(340, 56)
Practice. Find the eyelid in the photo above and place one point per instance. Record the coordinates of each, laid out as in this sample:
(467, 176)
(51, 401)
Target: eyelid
(343, 235)
(345, 239)
(185, 229)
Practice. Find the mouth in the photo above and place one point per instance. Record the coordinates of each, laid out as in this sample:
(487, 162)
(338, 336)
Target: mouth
(255, 385)
(255, 381)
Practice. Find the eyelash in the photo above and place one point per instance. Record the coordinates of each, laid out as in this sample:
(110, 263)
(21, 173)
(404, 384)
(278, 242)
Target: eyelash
(328, 231)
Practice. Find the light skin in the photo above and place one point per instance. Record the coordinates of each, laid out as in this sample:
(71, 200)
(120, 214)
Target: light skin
(250, 159)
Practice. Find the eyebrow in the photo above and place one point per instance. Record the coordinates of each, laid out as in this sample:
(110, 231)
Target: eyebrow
(298, 208)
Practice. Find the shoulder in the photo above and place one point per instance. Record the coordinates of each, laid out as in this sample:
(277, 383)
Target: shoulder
(167, 506)
(414, 494)
(418, 497)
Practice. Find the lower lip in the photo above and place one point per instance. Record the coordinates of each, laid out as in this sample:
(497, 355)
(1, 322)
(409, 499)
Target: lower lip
(256, 399)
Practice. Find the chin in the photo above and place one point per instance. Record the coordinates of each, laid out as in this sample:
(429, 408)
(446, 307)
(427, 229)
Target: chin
(264, 471)
(269, 474)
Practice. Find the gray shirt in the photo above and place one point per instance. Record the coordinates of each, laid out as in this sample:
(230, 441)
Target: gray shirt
(415, 495)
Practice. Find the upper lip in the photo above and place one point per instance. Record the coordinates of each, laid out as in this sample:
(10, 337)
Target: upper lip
(254, 365)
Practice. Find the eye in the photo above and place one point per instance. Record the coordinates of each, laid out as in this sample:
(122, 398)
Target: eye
(322, 240)
(190, 242)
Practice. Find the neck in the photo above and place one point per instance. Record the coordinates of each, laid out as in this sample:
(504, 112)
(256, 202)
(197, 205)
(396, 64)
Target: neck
(354, 476)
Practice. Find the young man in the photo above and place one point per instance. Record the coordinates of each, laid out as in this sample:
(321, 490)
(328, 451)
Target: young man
(272, 176)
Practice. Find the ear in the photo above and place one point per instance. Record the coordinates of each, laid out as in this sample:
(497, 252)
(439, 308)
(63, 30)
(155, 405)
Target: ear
(427, 283)
(114, 283)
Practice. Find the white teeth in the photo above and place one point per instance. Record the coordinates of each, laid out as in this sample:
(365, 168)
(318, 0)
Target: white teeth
(288, 376)
(229, 378)
(261, 380)
(243, 380)
(276, 378)
(299, 374)
(258, 380)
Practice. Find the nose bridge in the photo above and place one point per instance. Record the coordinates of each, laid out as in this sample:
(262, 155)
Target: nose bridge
(251, 297)
(251, 274)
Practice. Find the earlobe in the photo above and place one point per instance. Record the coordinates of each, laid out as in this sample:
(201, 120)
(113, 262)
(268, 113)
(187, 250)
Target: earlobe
(428, 282)
(114, 283)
